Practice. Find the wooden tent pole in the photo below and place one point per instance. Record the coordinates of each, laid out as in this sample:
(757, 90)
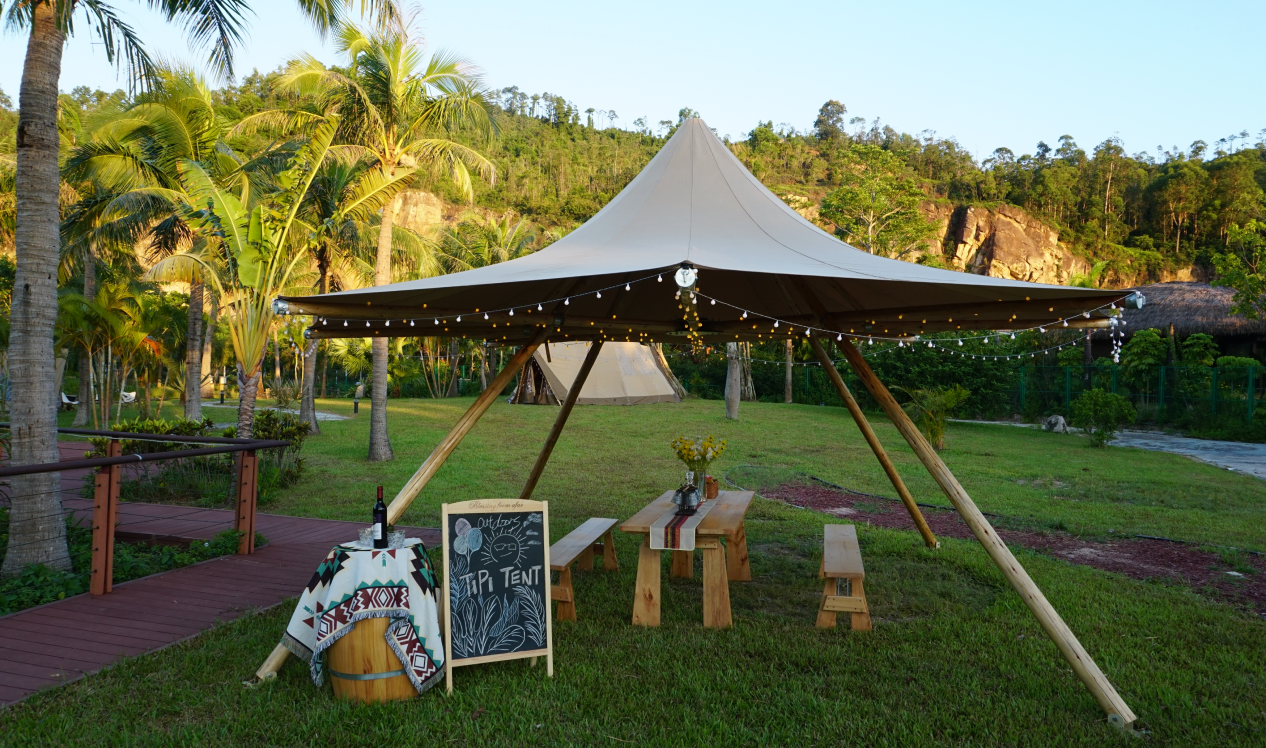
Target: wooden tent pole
(1096, 682)
(280, 654)
(572, 394)
(464, 425)
(820, 351)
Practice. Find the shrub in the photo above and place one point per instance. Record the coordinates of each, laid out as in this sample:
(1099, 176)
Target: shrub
(1101, 413)
(1237, 362)
(287, 464)
(929, 409)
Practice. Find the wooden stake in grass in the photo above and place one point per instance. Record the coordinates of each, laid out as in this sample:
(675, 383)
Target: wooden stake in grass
(873, 441)
(1078, 658)
(592, 356)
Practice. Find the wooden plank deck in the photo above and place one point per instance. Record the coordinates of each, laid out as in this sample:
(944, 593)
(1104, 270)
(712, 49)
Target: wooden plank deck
(148, 614)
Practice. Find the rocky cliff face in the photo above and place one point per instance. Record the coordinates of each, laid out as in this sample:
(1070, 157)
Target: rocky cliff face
(1005, 242)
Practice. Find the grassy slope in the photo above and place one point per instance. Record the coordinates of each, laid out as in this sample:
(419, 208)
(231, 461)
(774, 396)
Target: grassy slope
(955, 657)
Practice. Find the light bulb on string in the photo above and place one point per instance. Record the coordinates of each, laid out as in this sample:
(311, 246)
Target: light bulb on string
(1086, 315)
(566, 302)
(1065, 323)
(411, 322)
(960, 341)
(714, 302)
(626, 287)
(344, 323)
(660, 278)
(1013, 336)
(839, 337)
(870, 341)
(459, 318)
(599, 294)
(437, 321)
(366, 323)
(744, 315)
(485, 315)
(511, 312)
(775, 323)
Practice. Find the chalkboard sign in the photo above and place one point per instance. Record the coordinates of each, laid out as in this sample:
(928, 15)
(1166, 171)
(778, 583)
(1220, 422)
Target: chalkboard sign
(496, 583)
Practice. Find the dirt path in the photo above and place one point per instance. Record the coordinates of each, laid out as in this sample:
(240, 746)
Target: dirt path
(1242, 585)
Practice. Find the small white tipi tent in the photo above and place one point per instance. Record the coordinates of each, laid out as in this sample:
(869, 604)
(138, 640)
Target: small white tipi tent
(624, 374)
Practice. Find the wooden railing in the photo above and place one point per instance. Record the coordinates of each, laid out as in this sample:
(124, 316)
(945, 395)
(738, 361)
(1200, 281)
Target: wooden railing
(109, 478)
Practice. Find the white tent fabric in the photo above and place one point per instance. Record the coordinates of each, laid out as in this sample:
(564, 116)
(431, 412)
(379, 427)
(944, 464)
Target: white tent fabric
(696, 203)
(624, 374)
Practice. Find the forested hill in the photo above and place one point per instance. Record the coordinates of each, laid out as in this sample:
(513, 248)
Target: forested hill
(1126, 218)
(1060, 214)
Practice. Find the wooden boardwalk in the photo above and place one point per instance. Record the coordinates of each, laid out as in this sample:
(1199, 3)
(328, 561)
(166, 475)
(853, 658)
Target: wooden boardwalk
(63, 641)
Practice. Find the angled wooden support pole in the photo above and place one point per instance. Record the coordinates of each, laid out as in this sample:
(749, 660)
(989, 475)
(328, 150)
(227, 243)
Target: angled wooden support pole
(463, 427)
(280, 654)
(1096, 682)
(572, 394)
(820, 351)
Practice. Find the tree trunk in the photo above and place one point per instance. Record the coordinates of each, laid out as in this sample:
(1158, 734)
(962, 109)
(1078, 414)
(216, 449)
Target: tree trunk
(107, 384)
(59, 371)
(248, 391)
(1087, 359)
(193, 354)
(276, 361)
(749, 385)
(37, 527)
(379, 440)
(83, 411)
(454, 370)
(307, 405)
(733, 381)
(208, 337)
(786, 389)
(483, 366)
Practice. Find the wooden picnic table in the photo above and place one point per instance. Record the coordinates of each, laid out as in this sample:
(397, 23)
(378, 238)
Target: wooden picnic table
(723, 522)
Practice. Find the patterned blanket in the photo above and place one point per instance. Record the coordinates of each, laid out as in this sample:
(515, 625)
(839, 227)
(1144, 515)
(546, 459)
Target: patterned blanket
(677, 533)
(352, 584)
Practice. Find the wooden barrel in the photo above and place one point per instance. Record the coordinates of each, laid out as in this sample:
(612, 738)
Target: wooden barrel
(363, 668)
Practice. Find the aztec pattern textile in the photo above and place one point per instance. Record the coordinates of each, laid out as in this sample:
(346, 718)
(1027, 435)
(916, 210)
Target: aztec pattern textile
(353, 584)
(674, 533)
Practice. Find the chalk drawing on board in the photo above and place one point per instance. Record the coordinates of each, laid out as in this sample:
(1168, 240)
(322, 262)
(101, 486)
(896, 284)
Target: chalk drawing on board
(493, 615)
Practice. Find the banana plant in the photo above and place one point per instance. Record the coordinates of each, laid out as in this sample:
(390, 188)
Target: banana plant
(249, 253)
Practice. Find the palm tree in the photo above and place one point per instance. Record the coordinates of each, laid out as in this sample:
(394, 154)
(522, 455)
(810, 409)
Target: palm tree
(340, 204)
(248, 254)
(37, 533)
(401, 110)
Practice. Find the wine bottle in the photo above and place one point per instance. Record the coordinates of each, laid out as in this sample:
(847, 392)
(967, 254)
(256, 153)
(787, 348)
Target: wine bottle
(380, 522)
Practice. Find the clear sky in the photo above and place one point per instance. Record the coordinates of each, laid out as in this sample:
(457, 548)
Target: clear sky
(987, 73)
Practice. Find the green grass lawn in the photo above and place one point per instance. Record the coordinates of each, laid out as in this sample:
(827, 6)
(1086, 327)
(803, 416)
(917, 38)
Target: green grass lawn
(955, 657)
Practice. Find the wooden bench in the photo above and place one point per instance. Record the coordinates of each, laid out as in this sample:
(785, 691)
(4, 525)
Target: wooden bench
(581, 543)
(842, 563)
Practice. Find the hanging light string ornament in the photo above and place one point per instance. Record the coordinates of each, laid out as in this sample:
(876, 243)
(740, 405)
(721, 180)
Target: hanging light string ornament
(688, 297)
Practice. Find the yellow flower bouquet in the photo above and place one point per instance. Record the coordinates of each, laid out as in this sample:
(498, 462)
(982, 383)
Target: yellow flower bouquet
(697, 453)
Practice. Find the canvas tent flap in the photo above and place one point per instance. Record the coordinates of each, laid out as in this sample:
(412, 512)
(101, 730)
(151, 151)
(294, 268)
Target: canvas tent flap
(624, 374)
(695, 202)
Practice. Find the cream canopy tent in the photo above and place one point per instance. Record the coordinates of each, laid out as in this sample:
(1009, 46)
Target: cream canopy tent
(623, 374)
(696, 249)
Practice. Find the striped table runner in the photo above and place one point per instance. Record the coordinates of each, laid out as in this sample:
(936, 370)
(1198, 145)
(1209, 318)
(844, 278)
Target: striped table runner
(673, 533)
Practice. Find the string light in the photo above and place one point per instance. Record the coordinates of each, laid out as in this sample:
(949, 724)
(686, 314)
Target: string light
(344, 323)
(459, 318)
(626, 287)
(388, 323)
(539, 307)
(567, 302)
(511, 312)
(485, 315)
(599, 294)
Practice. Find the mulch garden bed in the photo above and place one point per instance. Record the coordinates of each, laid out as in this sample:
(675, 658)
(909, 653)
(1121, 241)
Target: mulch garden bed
(1242, 585)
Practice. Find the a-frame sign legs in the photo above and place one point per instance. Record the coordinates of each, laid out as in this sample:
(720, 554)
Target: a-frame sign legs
(572, 394)
(278, 656)
(820, 351)
(1109, 700)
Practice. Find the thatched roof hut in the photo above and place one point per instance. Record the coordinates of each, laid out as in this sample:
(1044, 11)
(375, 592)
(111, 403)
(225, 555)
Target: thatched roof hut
(1196, 307)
